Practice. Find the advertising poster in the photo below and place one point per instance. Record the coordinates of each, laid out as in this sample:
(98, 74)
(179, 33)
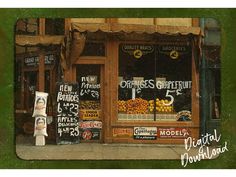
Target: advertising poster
(155, 87)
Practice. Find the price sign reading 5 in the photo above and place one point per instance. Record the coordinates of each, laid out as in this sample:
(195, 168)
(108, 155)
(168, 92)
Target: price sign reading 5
(170, 96)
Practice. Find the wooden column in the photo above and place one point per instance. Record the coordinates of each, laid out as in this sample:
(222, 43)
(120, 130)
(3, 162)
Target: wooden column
(41, 57)
(40, 140)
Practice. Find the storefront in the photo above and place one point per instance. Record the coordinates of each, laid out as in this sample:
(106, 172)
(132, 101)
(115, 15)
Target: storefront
(137, 83)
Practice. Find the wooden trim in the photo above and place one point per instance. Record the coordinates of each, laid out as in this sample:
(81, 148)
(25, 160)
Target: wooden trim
(22, 86)
(41, 72)
(67, 25)
(195, 22)
(154, 123)
(111, 20)
(103, 118)
(195, 92)
(91, 60)
(155, 21)
(114, 80)
(42, 26)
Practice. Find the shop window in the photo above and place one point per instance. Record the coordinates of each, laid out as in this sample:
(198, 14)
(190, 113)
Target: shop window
(88, 78)
(29, 26)
(54, 26)
(17, 86)
(154, 82)
(31, 85)
(212, 49)
(94, 49)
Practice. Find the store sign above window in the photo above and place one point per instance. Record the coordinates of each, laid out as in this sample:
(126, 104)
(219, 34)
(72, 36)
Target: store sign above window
(173, 51)
(137, 50)
(34, 60)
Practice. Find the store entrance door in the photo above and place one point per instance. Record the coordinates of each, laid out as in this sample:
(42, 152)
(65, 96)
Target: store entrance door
(89, 78)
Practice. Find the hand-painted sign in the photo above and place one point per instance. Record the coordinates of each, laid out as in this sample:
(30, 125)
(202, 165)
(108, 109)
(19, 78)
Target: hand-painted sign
(173, 133)
(89, 114)
(34, 60)
(173, 51)
(137, 50)
(67, 125)
(90, 124)
(145, 133)
(122, 132)
(89, 86)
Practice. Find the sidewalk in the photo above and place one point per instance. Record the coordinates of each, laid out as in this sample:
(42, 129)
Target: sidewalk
(96, 151)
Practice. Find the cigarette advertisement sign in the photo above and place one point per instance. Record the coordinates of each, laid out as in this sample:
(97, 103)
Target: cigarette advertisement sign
(145, 133)
(173, 133)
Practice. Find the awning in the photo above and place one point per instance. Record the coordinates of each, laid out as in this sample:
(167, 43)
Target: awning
(45, 40)
(129, 28)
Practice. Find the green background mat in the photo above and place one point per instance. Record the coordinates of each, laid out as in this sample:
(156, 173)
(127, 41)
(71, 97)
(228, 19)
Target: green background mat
(8, 17)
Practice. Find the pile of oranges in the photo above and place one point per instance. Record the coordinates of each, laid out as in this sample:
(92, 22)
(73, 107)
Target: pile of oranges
(161, 106)
(137, 106)
(122, 106)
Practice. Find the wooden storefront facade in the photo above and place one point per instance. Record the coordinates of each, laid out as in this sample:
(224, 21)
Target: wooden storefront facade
(111, 35)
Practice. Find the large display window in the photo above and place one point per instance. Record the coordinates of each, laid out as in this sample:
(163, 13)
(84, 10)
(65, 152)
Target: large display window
(155, 81)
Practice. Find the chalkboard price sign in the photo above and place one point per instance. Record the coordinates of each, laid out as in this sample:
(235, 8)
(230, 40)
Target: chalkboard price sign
(67, 125)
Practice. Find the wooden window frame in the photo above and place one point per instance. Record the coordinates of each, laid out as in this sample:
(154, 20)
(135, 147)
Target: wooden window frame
(114, 89)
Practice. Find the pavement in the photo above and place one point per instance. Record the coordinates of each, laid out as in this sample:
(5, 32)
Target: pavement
(96, 151)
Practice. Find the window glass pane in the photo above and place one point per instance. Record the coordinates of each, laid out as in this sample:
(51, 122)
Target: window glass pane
(155, 82)
(136, 81)
(94, 49)
(55, 26)
(31, 85)
(17, 86)
(88, 78)
(173, 80)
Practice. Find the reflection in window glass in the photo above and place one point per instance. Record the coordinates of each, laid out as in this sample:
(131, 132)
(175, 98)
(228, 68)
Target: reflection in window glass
(55, 26)
(93, 49)
(155, 82)
(31, 80)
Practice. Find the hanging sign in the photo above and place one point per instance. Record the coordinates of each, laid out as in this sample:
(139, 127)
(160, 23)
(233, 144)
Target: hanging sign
(137, 50)
(173, 51)
(67, 125)
(34, 60)
(145, 133)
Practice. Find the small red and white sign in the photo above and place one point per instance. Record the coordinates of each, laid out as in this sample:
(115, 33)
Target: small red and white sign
(87, 135)
(173, 132)
(90, 124)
